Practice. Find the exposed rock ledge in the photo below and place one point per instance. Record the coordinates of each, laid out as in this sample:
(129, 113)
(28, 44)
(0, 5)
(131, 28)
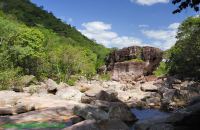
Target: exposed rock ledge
(130, 63)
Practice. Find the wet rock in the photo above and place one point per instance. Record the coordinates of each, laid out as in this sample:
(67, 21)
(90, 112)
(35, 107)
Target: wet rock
(162, 127)
(104, 105)
(149, 123)
(112, 125)
(121, 112)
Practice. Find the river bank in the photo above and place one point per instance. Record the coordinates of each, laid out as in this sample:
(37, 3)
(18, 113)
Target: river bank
(96, 103)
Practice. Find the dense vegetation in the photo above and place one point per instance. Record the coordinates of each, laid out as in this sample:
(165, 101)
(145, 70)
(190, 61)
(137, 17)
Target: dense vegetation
(31, 15)
(34, 42)
(184, 58)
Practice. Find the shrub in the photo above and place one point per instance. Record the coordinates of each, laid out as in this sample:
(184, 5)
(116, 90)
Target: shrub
(161, 70)
(105, 77)
(136, 60)
(184, 57)
(8, 78)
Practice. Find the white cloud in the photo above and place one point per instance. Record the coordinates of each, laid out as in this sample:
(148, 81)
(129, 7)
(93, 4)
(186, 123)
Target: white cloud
(165, 38)
(125, 41)
(149, 2)
(174, 26)
(101, 32)
(97, 25)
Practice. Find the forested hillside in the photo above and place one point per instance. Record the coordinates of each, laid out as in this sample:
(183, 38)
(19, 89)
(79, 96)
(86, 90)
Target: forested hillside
(34, 42)
(31, 15)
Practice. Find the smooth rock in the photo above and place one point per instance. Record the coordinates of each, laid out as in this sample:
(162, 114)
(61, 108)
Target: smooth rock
(109, 95)
(9, 98)
(51, 86)
(84, 125)
(149, 87)
(70, 93)
(93, 92)
(6, 111)
(57, 114)
(90, 112)
(99, 125)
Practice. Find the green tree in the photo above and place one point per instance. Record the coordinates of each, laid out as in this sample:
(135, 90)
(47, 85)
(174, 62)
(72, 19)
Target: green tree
(184, 57)
(26, 50)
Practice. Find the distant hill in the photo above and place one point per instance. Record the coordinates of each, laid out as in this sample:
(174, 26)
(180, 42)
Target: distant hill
(31, 15)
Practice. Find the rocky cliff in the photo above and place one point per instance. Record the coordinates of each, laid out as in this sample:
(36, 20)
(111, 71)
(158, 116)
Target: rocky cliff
(127, 64)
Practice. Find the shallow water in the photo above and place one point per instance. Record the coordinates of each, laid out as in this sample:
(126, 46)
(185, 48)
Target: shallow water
(143, 114)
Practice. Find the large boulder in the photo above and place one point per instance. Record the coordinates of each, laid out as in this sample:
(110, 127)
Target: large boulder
(90, 112)
(90, 95)
(149, 87)
(99, 94)
(70, 93)
(121, 112)
(109, 95)
(125, 66)
(116, 110)
(9, 98)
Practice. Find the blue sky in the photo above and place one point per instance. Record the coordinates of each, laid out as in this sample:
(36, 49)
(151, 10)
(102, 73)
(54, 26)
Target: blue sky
(121, 23)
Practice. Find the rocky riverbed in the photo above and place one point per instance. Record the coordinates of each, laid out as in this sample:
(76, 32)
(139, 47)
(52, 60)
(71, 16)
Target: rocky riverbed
(104, 105)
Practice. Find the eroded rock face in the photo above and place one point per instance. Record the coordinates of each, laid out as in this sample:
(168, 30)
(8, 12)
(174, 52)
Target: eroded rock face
(123, 66)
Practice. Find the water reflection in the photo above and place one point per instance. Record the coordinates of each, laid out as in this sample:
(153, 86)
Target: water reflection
(143, 114)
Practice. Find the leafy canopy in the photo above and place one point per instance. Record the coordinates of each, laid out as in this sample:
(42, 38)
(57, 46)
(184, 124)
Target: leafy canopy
(184, 57)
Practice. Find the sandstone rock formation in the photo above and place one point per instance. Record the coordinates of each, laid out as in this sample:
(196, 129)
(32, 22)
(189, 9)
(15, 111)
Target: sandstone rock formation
(129, 63)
